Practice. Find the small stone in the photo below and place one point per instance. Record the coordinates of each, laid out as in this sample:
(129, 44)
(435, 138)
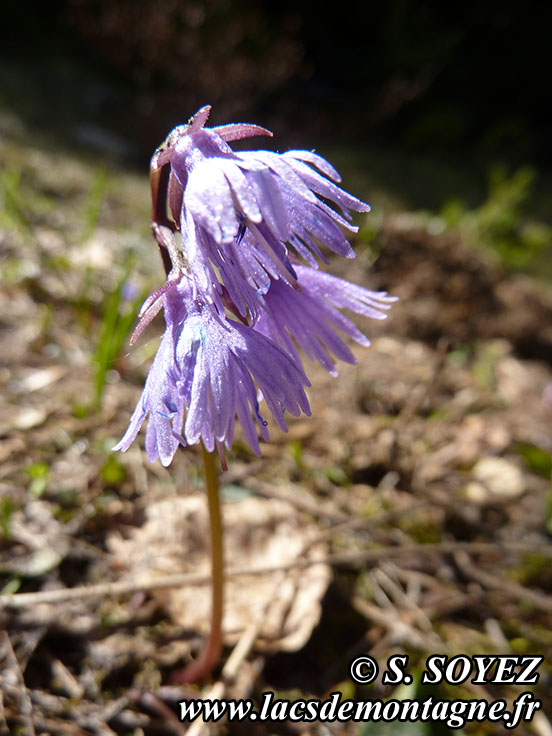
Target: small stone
(499, 477)
(29, 417)
(476, 492)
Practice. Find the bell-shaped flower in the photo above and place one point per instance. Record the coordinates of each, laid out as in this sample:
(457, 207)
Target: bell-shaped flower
(238, 304)
(239, 212)
(209, 370)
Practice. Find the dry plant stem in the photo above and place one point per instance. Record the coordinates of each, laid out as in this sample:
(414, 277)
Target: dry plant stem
(355, 557)
(210, 654)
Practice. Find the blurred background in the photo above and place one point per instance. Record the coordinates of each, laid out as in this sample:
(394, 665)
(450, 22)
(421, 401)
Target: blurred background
(437, 107)
(430, 460)
(422, 77)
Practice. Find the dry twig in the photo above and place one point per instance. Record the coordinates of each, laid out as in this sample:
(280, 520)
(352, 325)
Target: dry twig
(518, 592)
(355, 558)
(13, 683)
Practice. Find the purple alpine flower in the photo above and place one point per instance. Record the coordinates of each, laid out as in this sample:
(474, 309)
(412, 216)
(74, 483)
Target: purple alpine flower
(208, 370)
(237, 304)
(238, 212)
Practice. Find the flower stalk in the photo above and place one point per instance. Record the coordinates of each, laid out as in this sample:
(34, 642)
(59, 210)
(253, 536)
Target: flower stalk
(209, 657)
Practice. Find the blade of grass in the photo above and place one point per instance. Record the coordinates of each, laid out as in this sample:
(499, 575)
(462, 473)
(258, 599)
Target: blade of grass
(119, 316)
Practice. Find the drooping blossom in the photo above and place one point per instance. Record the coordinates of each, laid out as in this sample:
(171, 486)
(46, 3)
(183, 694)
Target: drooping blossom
(238, 303)
(239, 212)
(208, 371)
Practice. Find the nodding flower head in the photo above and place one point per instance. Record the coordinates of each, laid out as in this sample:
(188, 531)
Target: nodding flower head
(240, 213)
(238, 303)
(207, 371)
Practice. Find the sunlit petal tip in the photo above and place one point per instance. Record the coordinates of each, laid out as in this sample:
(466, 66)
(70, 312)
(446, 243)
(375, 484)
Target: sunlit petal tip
(197, 121)
(239, 131)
